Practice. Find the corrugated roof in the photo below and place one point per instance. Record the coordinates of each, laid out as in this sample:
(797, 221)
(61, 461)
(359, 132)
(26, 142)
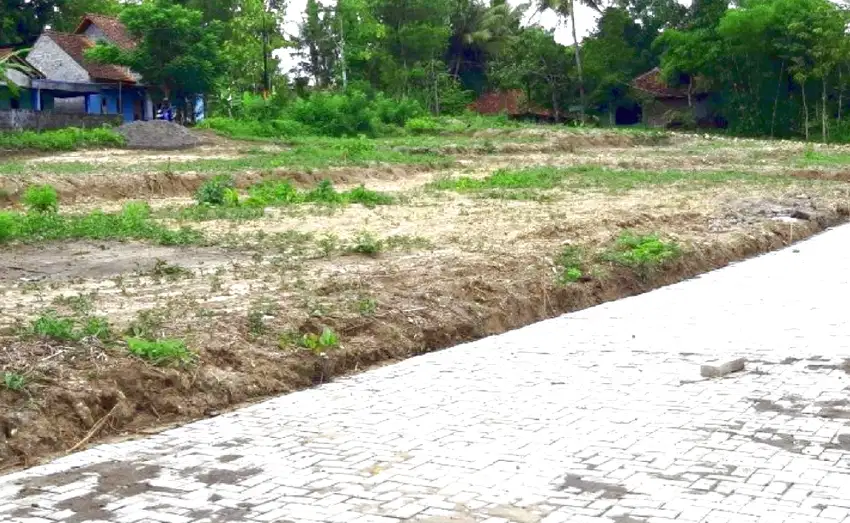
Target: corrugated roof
(651, 82)
(77, 45)
(111, 27)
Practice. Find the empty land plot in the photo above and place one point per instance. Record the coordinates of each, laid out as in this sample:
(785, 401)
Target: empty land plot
(134, 306)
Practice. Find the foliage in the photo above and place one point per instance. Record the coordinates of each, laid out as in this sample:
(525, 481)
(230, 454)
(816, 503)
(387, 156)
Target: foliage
(176, 49)
(569, 264)
(14, 381)
(215, 190)
(41, 198)
(60, 328)
(320, 343)
(642, 253)
(367, 244)
(68, 139)
(163, 352)
(132, 222)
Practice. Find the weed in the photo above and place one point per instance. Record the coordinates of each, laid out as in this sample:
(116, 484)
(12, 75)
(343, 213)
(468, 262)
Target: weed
(367, 244)
(256, 323)
(367, 197)
(405, 242)
(324, 193)
(569, 264)
(133, 222)
(268, 193)
(147, 324)
(80, 304)
(215, 284)
(41, 198)
(367, 306)
(642, 253)
(215, 190)
(320, 343)
(14, 381)
(329, 244)
(99, 328)
(51, 325)
(203, 213)
(171, 272)
(161, 352)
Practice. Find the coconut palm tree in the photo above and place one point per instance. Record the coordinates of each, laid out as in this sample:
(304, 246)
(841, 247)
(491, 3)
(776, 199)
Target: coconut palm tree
(11, 62)
(566, 8)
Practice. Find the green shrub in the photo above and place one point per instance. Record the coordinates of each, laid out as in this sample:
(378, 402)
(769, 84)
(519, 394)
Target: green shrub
(161, 352)
(60, 140)
(366, 243)
(569, 263)
(8, 226)
(642, 253)
(52, 326)
(320, 343)
(367, 197)
(331, 114)
(214, 190)
(270, 193)
(41, 198)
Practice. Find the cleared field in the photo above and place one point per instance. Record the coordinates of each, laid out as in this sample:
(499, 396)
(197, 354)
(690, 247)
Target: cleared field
(120, 321)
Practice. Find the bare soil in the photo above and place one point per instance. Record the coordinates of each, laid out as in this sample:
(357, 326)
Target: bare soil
(455, 267)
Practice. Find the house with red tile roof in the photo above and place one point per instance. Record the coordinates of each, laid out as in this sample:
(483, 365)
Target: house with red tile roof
(89, 87)
(664, 105)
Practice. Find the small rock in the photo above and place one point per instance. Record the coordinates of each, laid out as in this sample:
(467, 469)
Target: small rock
(720, 368)
(801, 215)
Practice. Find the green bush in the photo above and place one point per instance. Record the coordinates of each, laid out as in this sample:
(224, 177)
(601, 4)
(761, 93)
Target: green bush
(268, 193)
(60, 140)
(214, 190)
(642, 253)
(331, 114)
(41, 198)
(52, 326)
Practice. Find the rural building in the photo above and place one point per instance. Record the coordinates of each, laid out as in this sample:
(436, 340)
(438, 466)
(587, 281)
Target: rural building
(26, 98)
(664, 106)
(513, 103)
(95, 89)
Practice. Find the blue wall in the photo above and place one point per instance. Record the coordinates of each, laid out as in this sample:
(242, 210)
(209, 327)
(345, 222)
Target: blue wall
(94, 103)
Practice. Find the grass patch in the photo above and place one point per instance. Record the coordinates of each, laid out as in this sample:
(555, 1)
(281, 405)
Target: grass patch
(524, 184)
(161, 352)
(366, 243)
(570, 265)
(132, 223)
(14, 381)
(69, 139)
(52, 326)
(641, 253)
(812, 157)
(41, 198)
(406, 242)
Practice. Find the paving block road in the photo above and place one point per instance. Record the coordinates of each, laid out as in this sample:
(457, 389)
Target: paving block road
(597, 416)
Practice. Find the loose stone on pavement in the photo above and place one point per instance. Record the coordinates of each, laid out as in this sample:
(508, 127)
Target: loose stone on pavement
(597, 416)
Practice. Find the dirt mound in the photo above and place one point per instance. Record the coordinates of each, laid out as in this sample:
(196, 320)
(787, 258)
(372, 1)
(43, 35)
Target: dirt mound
(158, 134)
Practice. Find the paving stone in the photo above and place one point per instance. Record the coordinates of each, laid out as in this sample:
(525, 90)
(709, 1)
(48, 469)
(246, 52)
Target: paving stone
(584, 418)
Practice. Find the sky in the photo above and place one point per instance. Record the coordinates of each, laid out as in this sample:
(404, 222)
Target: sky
(585, 23)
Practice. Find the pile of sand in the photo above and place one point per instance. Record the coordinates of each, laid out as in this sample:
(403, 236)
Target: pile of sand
(158, 134)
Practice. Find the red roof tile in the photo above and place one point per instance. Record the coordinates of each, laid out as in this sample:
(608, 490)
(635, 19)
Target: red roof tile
(510, 102)
(652, 83)
(111, 27)
(76, 47)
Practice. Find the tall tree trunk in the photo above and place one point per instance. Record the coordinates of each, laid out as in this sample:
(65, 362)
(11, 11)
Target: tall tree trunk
(776, 98)
(578, 58)
(805, 111)
(824, 122)
(840, 94)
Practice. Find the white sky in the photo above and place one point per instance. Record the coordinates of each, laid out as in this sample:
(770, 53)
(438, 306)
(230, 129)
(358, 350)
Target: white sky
(585, 23)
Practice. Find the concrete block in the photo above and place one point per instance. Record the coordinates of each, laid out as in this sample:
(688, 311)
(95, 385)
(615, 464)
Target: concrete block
(720, 368)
